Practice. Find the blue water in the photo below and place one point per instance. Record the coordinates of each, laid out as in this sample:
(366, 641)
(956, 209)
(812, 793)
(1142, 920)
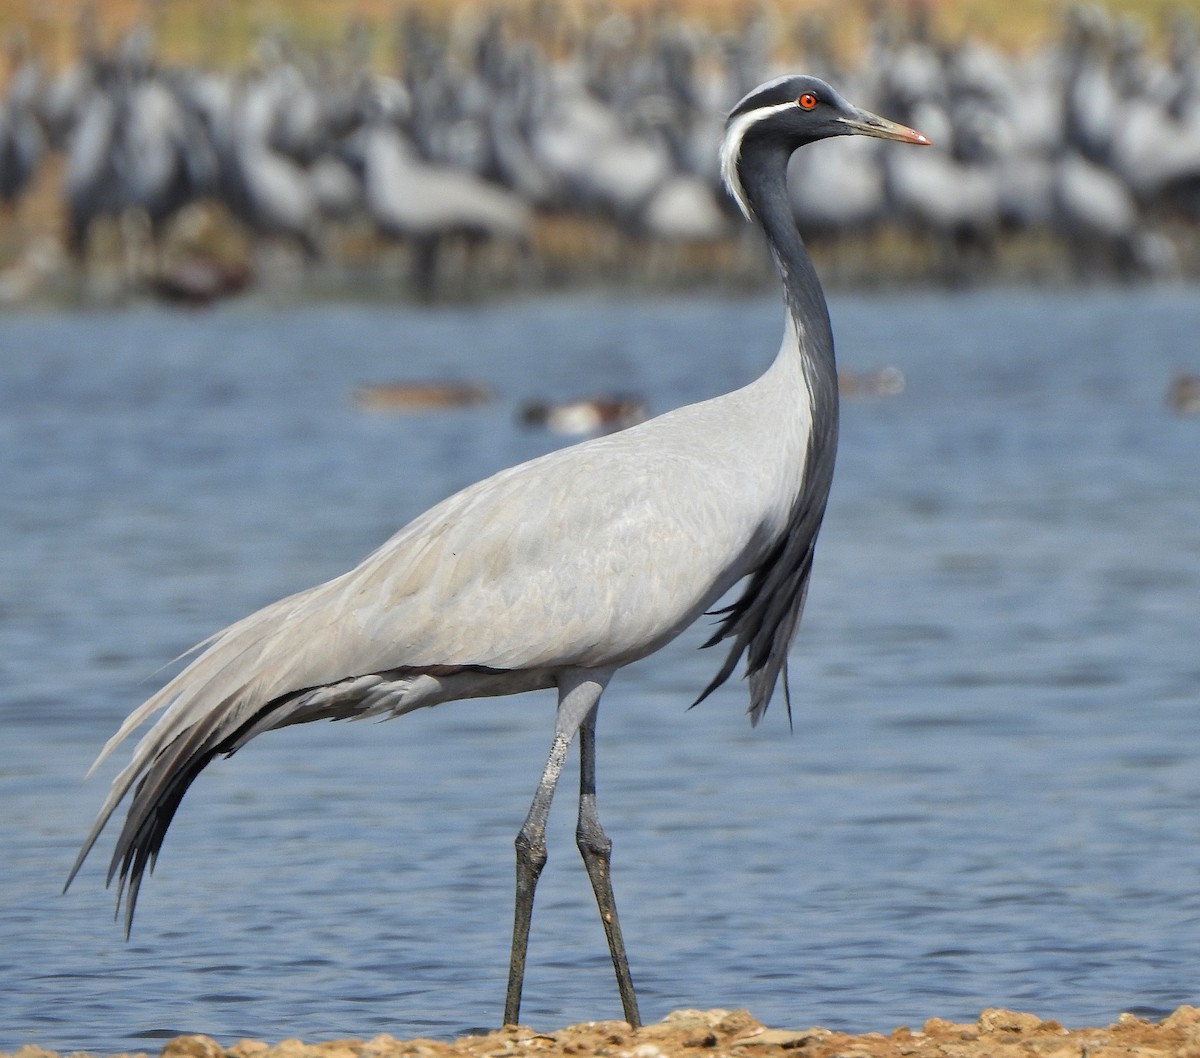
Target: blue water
(991, 796)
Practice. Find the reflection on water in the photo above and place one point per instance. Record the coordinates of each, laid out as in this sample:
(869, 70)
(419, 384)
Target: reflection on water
(990, 797)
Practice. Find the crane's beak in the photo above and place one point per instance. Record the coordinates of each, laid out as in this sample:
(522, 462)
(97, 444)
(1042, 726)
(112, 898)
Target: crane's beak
(864, 123)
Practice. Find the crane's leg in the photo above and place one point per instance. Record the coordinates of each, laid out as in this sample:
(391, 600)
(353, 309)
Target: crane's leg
(578, 693)
(597, 854)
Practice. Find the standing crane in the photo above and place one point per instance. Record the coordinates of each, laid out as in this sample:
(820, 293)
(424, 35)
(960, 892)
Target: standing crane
(554, 573)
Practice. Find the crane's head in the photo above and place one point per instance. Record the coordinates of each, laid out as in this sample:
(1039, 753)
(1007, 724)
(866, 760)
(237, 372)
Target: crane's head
(791, 111)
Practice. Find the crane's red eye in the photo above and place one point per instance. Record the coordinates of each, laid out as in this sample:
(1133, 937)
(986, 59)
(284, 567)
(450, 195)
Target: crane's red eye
(807, 101)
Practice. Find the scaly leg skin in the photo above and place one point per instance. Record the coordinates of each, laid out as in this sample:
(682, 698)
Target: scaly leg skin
(578, 695)
(596, 849)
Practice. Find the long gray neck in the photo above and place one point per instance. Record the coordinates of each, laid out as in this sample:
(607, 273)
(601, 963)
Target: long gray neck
(763, 172)
(762, 169)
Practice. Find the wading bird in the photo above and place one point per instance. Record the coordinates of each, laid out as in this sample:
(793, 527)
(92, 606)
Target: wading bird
(554, 573)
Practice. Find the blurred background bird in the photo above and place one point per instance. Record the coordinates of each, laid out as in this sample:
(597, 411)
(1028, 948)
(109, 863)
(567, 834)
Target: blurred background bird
(445, 155)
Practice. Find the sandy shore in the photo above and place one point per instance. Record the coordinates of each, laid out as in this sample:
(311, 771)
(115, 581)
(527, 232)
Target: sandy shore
(737, 1034)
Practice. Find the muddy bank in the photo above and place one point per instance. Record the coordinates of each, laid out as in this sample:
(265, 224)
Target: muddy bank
(737, 1034)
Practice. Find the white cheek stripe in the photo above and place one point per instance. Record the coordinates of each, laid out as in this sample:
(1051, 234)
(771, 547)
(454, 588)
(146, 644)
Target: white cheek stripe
(731, 150)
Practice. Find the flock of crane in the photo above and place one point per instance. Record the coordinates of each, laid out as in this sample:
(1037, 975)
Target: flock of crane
(487, 135)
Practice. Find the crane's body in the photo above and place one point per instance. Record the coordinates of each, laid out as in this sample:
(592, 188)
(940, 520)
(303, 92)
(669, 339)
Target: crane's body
(558, 561)
(554, 573)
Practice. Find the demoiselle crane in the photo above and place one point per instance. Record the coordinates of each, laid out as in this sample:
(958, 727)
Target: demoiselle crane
(554, 573)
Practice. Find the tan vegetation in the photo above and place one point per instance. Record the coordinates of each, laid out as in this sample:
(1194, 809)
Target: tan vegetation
(226, 32)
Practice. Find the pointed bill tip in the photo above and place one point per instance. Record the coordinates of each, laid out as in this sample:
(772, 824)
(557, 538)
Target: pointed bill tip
(866, 124)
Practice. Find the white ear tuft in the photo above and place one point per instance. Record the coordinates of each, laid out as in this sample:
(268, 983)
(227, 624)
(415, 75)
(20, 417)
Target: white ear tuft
(731, 150)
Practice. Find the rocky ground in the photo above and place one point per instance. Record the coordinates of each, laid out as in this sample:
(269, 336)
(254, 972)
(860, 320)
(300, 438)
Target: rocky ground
(737, 1034)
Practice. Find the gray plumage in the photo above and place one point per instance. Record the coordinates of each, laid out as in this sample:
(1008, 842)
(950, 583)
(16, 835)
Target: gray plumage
(554, 573)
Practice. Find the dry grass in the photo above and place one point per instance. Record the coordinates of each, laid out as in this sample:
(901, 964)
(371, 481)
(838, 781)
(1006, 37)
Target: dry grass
(226, 32)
